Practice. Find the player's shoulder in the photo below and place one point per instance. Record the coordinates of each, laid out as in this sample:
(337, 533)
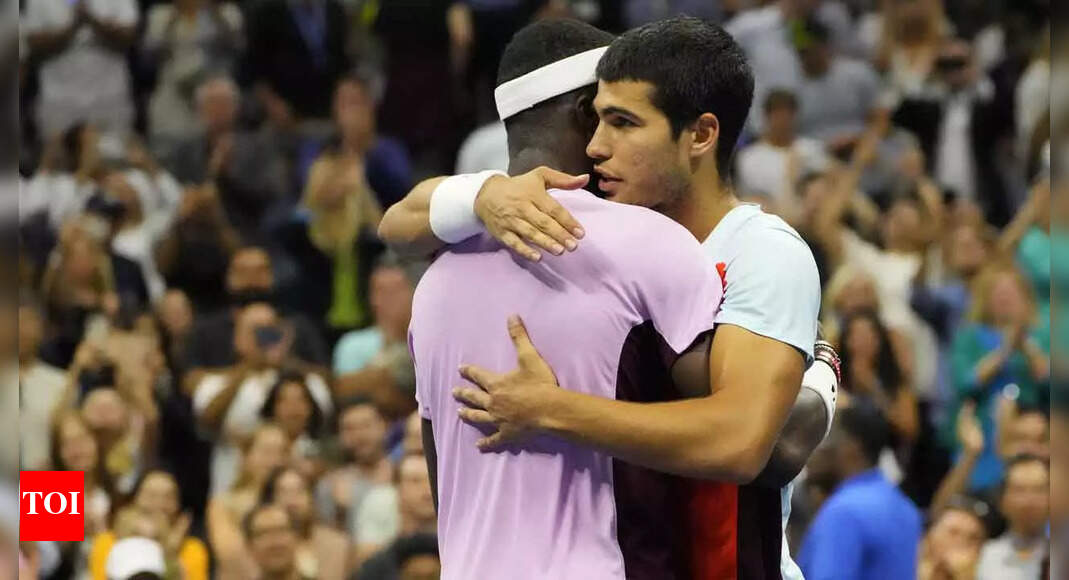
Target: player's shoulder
(750, 232)
(624, 224)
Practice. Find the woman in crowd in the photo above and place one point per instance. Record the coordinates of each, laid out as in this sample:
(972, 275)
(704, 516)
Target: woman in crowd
(909, 39)
(1001, 351)
(156, 498)
(267, 449)
(323, 553)
(290, 405)
(333, 244)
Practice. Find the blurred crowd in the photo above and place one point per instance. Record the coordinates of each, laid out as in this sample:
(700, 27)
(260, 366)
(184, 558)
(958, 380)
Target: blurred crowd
(211, 331)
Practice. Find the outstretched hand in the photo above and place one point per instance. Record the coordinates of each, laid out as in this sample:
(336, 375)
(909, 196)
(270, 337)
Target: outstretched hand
(520, 213)
(511, 402)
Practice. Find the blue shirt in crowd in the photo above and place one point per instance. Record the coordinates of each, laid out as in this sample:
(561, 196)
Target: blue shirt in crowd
(866, 530)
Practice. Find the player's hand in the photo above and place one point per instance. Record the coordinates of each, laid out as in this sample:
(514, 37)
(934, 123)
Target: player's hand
(519, 213)
(508, 401)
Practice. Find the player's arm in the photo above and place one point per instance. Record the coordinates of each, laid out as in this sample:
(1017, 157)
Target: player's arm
(727, 435)
(431, 453)
(517, 211)
(803, 431)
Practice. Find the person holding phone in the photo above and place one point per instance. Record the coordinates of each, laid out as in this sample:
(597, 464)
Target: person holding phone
(228, 402)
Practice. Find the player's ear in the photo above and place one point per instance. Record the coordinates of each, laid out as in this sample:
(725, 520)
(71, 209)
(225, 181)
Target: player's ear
(706, 132)
(585, 114)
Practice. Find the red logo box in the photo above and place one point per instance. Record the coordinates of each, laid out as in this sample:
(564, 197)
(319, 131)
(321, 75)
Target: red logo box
(51, 506)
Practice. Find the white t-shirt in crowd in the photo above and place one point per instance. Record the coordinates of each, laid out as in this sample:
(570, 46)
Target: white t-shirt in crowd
(243, 416)
(762, 166)
(486, 148)
(41, 388)
(87, 81)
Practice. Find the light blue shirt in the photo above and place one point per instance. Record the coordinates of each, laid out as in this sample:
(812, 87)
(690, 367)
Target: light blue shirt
(355, 350)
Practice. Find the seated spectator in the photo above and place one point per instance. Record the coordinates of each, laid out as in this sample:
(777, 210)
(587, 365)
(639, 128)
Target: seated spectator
(866, 529)
(362, 438)
(246, 168)
(951, 548)
(294, 58)
(333, 244)
(291, 405)
(872, 376)
(136, 558)
(65, 179)
(184, 42)
(389, 511)
(264, 451)
(768, 168)
(322, 552)
(249, 279)
(409, 557)
(41, 390)
(1021, 551)
(174, 315)
(1001, 345)
(837, 95)
(272, 539)
(84, 73)
(156, 499)
(228, 402)
(75, 449)
(121, 435)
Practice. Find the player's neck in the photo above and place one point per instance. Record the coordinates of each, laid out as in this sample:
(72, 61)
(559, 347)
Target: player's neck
(702, 209)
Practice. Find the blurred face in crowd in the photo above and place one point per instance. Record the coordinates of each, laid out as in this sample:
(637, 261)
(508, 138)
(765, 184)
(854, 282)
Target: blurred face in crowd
(815, 57)
(968, 252)
(159, 494)
(31, 332)
(954, 64)
(250, 318)
(362, 432)
(779, 120)
(269, 449)
(81, 259)
(901, 225)
(1026, 498)
(293, 408)
(913, 18)
(176, 313)
(272, 540)
(862, 340)
(1029, 435)
(106, 415)
(1007, 301)
(421, 567)
(292, 494)
(354, 111)
(956, 530)
(391, 298)
(217, 105)
(77, 448)
(118, 187)
(250, 270)
(637, 159)
(858, 294)
(413, 441)
(414, 489)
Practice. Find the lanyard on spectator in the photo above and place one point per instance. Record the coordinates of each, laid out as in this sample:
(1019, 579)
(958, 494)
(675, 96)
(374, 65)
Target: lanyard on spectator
(312, 24)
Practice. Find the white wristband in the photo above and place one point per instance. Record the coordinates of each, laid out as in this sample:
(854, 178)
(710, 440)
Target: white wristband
(820, 378)
(452, 211)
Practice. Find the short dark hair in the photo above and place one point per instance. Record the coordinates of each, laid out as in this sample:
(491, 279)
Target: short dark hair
(867, 427)
(315, 420)
(695, 68)
(809, 32)
(780, 98)
(545, 42)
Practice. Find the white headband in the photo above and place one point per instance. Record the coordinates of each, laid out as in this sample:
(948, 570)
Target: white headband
(556, 78)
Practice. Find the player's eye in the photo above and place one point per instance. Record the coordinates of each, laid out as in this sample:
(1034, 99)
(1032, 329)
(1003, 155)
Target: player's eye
(620, 122)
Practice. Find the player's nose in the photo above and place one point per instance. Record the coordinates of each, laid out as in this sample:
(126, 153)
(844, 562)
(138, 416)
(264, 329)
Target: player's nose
(598, 148)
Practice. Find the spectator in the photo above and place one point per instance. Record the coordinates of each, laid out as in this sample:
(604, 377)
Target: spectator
(291, 405)
(376, 362)
(837, 95)
(41, 389)
(412, 557)
(265, 450)
(137, 233)
(84, 74)
(1027, 237)
(66, 177)
(1000, 346)
(333, 244)
(866, 528)
(412, 442)
(362, 437)
(322, 552)
(1020, 552)
(486, 147)
(273, 540)
(247, 168)
(296, 53)
(137, 559)
(228, 402)
(769, 168)
(390, 511)
(906, 45)
(174, 314)
(951, 548)
(872, 376)
(249, 279)
(1022, 431)
(184, 42)
(156, 496)
(123, 436)
(75, 449)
